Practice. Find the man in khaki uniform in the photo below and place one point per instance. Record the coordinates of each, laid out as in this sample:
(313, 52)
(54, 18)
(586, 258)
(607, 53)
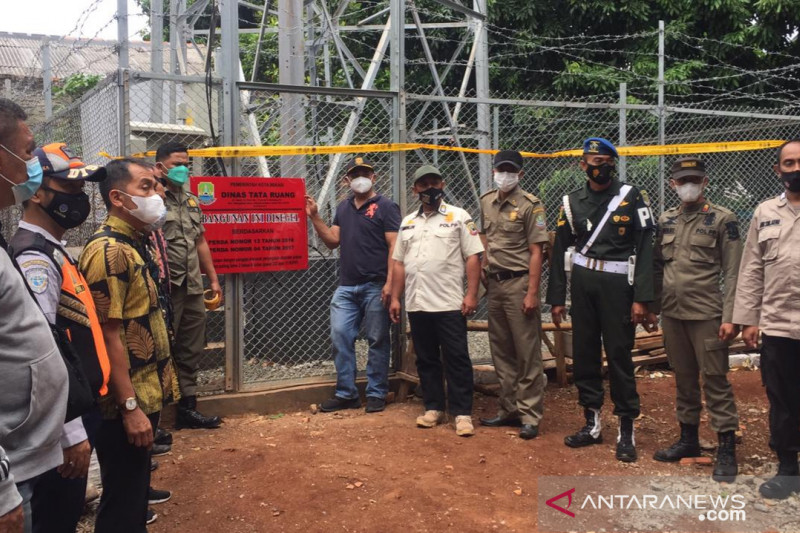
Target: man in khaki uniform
(513, 233)
(696, 242)
(188, 255)
(766, 299)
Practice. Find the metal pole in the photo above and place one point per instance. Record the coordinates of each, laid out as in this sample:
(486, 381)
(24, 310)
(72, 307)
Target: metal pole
(123, 82)
(482, 91)
(623, 131)
(229, 70)
(661, 117)
(156, 59)
(122, 34)
(173, 58)
(397, 16)
(257, 57)
(47, 79)
(291, 71)
(496, 127)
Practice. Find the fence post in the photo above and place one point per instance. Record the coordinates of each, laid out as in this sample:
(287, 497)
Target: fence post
(482, 91)
(623, 130)
(156, 59)
(229, 60)
(47, 79)
(661, 116)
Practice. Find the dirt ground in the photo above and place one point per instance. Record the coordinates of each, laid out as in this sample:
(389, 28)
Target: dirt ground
(377, 472)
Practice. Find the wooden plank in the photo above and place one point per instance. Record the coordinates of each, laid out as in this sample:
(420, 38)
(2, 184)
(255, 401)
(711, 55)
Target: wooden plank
(561, 360)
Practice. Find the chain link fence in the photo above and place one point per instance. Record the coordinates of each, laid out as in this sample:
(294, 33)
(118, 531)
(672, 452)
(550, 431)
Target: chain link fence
(283, 336)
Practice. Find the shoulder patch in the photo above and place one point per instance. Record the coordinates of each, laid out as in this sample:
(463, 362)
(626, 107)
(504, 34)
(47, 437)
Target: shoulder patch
(710, 218)
(540, 222)
(732, 228)
(37, 278)
(645, 197)
(473, 230)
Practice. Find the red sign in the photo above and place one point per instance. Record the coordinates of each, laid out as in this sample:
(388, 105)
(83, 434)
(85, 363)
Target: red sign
(254, 224)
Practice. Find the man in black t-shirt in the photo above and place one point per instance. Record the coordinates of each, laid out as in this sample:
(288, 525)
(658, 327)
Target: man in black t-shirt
(365, 226)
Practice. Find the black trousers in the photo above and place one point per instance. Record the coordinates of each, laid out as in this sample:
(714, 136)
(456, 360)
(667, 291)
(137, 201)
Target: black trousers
(440, 341)
(57, 503)
(780, 373)
(601, 310)
(125, 471)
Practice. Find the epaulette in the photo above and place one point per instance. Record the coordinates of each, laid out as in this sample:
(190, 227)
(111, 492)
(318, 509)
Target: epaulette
(488, 193)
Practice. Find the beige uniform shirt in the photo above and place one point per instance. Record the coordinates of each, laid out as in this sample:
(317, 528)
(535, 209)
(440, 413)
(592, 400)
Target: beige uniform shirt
(183, 227)
(434, 248)
(694, 247)
(768, 294)
(510, 227)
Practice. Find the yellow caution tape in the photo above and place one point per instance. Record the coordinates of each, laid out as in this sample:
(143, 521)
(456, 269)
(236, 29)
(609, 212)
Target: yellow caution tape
(634, 151)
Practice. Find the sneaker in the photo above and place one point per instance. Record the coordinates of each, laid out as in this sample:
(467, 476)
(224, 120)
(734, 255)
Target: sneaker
(430, 419)
(375, 405)
(337, 404)
(464, 427)
(151, 516)
(155, 496)
(160, 449)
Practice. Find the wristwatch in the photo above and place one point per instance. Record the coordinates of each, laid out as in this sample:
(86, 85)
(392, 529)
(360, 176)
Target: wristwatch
(128, 405)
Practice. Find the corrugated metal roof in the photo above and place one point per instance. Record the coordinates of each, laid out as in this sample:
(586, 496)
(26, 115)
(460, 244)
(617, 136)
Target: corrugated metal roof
(21, 56)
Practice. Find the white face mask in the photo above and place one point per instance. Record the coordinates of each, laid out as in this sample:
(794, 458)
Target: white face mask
(506, 181)
(158, 224)
(149, 209)
(689, 192)
(360, 185)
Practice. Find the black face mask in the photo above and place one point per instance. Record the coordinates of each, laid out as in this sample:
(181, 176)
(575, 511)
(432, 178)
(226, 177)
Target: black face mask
(600, 174)
(791, 180)
(68, 210)
(431, 196)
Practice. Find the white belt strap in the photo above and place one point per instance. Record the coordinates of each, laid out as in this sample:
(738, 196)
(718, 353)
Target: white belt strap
(613, 267)
(612, 205)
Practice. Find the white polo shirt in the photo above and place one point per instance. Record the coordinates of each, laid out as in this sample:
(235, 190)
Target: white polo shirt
(433, 249)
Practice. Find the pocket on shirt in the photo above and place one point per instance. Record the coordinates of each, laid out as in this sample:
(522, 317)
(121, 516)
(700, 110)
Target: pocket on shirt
(446, 240)
(768, 242)
(703, 249)
(668, 246)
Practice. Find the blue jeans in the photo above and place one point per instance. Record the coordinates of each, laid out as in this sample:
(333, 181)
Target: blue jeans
(26, 489)
(350, 306)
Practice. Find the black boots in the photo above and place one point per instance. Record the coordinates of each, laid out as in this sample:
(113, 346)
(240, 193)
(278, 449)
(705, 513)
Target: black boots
(189, 417)
(725, 466)
(626, 443)
(687, 446)
(786, 482)
(588, 434)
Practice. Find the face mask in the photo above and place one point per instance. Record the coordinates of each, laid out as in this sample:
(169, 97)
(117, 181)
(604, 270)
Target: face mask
(25, 190)
(149, 209)
(600, 174)
(360, 185)
(431, 196)
(178, 174)
(689, 192)
(68, 210)
(506, 181)
(158, 224)
(791, 180)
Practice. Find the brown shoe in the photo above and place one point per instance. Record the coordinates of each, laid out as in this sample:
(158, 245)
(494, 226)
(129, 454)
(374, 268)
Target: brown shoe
(430, 419)
(464, 427)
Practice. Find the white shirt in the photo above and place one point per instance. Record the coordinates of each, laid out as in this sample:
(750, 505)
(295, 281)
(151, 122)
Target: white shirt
(433, 249)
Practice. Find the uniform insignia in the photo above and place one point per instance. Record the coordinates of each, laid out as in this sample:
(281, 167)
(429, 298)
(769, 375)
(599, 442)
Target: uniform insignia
(622, 231)
(709, 220)
(512, 216)
(513, 202)
(359, 161)
(616, 218)
(443, 208)
(625, 218)
(766, 223)
(588, 225)
(594, 147)
(645, 197)
(448, 217)
(37, 279)
(732, 228)
(624, 203)
(58, 257)
(191, 202)
(540, 220)
(473, 230)
(671, 220)
(705, 209)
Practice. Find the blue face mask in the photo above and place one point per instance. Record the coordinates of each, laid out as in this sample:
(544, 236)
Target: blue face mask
(25, 190)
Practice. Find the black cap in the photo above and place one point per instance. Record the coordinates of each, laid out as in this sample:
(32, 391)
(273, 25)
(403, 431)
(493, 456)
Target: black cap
(687, 166)
(358, 162)
(512, 157)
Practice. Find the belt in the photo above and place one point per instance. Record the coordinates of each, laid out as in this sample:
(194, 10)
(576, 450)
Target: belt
(613, 267)
(504, 275)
